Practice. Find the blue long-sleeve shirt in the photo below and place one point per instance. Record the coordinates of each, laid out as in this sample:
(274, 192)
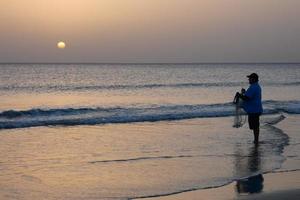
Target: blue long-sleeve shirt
(253, 104)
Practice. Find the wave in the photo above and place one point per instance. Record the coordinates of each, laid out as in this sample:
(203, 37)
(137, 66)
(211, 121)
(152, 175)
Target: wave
(134, 87)
(115, 87)
(92, 116)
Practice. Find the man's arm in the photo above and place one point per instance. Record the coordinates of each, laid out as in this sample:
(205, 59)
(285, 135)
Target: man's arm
(249, 94)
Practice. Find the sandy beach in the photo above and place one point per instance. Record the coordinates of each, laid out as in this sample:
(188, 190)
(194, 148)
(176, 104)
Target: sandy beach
(280, 185)
(89, 162)
(277, 185)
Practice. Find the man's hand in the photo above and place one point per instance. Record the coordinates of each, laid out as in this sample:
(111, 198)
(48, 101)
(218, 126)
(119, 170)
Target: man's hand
(244, 97)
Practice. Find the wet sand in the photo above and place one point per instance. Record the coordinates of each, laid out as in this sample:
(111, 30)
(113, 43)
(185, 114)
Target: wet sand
(280, 185)
(127, 161)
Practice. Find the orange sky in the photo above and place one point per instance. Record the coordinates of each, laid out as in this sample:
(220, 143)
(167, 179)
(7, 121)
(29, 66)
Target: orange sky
(150, 30)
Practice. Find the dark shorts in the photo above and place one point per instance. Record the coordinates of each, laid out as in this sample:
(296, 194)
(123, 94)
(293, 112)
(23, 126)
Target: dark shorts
(253, 120)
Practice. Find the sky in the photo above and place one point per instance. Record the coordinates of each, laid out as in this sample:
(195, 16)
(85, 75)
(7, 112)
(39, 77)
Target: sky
(149, 31)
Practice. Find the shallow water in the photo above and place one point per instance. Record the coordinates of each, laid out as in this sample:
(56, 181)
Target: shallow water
(133, 160)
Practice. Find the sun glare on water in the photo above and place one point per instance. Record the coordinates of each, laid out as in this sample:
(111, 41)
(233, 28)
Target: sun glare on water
(61, 45)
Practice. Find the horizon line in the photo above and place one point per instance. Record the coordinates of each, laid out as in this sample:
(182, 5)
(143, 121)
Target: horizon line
(145, 63)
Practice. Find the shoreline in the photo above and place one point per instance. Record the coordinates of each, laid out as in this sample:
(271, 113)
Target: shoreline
(274, 185)
(212, 149)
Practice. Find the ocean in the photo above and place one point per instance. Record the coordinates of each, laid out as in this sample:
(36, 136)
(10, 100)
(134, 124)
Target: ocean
(126, 131)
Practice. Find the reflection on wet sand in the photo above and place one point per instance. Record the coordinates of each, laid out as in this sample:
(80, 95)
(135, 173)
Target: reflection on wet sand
(252, 184)
(251, 162)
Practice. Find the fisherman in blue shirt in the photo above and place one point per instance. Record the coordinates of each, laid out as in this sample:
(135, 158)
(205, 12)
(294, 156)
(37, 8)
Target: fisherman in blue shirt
(252, 104)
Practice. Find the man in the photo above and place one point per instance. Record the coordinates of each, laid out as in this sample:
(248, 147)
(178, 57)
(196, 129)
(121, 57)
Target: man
(252, 104)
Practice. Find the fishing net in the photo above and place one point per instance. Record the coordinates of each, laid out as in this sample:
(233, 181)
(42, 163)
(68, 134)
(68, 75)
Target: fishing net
(239, 118)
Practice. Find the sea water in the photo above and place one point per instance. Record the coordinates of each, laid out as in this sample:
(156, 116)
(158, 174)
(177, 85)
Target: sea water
(120, 131)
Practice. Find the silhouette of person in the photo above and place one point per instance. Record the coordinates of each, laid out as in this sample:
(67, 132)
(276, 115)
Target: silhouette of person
(252, 104)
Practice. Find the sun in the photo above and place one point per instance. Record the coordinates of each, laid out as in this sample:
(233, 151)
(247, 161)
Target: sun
(61, 45)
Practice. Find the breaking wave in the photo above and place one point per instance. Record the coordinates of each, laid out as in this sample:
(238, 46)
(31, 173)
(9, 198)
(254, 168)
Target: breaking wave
(10, 119)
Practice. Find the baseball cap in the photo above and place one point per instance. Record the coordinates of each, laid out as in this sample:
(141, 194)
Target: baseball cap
(253, 75)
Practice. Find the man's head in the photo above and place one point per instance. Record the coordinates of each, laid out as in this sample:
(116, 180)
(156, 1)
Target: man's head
(253, 78)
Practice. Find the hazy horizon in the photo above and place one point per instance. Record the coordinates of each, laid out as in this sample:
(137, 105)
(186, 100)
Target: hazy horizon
(150, 31)
(147, 63)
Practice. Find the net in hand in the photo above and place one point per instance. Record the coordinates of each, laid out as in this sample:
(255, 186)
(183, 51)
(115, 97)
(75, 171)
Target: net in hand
(239, 117)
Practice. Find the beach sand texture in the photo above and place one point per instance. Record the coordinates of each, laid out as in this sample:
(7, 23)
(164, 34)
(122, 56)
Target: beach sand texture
(97, 162)
(283, 185)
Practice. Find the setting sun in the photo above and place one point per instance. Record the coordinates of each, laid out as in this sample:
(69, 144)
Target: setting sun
(61, 45)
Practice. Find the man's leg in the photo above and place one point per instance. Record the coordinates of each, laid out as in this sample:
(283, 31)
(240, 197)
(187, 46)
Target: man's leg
(256, 135)
(254, 125)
